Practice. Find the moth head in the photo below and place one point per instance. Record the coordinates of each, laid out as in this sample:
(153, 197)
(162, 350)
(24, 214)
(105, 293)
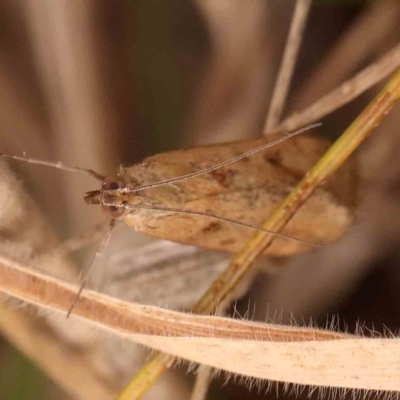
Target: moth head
(109, 197)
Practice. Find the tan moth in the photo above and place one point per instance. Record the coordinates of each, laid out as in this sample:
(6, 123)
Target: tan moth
(246, 191)
(216, 196)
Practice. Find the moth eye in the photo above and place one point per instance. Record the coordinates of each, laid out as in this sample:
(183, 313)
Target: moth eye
(113, 212)
(108, 184)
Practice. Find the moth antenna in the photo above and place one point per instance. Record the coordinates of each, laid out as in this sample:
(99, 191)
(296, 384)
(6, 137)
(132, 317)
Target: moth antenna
(58, 165)
(223, 219)
(222, 164)
(98, 254)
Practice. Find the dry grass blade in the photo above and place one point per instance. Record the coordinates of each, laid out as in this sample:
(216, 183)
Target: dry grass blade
(288, 63)
(131, 320)
(345, 93)
(239, 347)
(239, 266)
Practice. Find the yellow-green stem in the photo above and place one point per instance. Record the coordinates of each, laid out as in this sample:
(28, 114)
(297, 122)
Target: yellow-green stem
(241, 263)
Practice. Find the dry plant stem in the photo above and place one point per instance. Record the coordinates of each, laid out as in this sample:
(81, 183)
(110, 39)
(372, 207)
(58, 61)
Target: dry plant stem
(132, 319)
(202, 382)
(345, 93)
(280, 353)
(328, 164)
(138, 386)
(369, 34)
(288, 63)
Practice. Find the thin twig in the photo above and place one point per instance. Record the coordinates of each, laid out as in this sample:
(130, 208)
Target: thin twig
(292, 48)
(345, 93)
(202, 382)
(360, 129)
(361, 41)
(328, 164)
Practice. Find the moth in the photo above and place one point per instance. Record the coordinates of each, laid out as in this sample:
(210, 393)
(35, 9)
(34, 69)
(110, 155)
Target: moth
(154, 196)
(216, 196)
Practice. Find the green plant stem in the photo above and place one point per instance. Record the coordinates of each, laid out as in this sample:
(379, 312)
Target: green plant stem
(360, 129)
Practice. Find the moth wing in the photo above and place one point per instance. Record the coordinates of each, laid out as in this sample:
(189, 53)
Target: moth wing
(246, 191)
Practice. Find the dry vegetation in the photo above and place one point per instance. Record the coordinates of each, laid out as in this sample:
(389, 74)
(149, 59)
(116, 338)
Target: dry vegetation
(97, 84)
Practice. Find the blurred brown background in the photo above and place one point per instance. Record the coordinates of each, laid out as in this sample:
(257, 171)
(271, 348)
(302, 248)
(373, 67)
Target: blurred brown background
(101, 83)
